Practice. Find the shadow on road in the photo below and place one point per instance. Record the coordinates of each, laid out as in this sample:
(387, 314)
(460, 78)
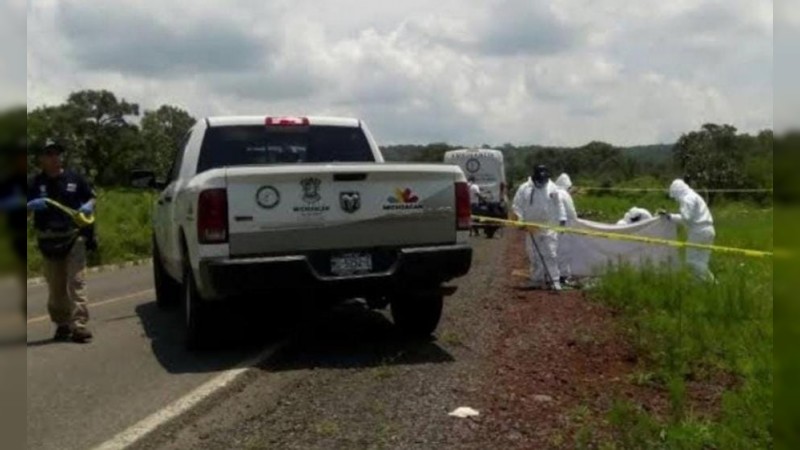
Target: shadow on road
(350, 336)
(45, 343)
(236, 340)
(347, 336)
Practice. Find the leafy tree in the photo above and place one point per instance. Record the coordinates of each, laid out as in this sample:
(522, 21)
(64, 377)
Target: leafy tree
(102, 140)
(109, 142)
(435, 152)
(711, 157)
(53, 122)
(93, 126)
(718, 157)
(163, 130)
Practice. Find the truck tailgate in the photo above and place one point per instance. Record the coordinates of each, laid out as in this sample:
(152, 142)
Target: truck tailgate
(300, 208)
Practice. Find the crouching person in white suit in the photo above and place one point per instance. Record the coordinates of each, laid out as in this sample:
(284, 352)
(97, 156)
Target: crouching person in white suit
(695, 215)
(635, 215)
(537, 201)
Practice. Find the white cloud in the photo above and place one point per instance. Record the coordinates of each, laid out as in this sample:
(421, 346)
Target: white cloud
(550, 72)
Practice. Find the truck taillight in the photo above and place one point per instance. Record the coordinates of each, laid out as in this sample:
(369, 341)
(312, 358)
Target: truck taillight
(212, 217)
(463, 207)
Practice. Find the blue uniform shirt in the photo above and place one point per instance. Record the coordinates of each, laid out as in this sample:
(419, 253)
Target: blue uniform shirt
(70, 189)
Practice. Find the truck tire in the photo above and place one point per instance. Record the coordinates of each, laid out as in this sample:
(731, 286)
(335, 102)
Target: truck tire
(417, 314)
(168, 291)
(490, 232)
(196, 313)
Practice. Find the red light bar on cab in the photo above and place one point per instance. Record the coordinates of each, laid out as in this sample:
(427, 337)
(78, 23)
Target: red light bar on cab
(287, 122)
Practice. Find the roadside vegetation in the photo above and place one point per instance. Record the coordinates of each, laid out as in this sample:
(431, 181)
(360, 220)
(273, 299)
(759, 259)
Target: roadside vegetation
(123, 230)
(706, 350)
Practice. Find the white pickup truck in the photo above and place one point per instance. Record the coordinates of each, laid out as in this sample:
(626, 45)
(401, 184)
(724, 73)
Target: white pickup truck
(274, 208)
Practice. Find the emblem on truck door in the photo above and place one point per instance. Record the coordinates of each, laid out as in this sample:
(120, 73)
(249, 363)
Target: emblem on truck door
(350, 201)
(313, 206)
(311, 190)
(268, 197)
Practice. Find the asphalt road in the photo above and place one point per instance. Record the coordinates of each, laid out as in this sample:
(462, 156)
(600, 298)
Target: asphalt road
(79, 396)
(82, 396)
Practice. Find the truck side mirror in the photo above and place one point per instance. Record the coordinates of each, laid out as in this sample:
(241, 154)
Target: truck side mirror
(145, 179)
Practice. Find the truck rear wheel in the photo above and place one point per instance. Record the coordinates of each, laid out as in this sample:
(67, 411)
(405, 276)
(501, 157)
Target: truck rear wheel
(168, 291)
(417, 314)
(196, 313)
(490, 232)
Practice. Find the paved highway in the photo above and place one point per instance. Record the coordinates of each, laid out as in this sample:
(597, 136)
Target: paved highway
(80, 396)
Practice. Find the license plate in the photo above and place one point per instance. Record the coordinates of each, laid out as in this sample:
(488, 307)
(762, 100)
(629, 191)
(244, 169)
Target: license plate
(351, 264)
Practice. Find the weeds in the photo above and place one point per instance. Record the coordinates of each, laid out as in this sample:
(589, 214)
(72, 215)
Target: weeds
(451, 339)
(327, 428)
(686, 332)
(124, 219)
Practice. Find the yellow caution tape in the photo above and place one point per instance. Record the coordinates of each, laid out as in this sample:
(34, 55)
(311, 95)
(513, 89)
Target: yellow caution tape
(631, 238)
(622, 189)
(80, 219)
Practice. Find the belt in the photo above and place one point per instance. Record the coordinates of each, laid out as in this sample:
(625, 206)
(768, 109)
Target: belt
(48, 234)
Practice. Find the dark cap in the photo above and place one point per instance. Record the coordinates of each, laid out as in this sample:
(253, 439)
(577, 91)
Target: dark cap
(52, 146)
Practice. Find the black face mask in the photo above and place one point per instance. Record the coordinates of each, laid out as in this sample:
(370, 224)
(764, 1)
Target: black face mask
(540, 176)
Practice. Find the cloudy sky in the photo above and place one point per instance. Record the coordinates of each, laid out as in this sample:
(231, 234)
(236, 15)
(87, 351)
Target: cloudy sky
(524, 71)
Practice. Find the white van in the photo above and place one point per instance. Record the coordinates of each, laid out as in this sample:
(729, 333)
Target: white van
(487, 168)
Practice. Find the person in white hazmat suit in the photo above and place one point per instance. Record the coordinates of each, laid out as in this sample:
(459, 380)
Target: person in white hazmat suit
(537, 201)
(635, 215)
(566, 240)
(696, 217)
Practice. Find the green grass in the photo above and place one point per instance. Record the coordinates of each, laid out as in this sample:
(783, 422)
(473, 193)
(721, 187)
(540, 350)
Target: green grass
(123, 227)
(787, 284)
(686, 333)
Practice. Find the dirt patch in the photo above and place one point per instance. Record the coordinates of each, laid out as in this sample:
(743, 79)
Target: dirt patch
(553, 355)
(558, 364)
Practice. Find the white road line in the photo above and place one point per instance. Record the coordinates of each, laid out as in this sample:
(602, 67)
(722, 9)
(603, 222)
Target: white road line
(137, 432)
(101, 303)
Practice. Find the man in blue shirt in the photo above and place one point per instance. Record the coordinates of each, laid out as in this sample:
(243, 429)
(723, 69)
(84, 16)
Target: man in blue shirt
(61, 243)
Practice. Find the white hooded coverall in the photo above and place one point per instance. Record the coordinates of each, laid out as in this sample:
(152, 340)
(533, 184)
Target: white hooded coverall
(695, 215)
(566, 240)
(541, 205)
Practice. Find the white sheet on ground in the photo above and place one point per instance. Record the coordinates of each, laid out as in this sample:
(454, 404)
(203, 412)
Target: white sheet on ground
(591, 255)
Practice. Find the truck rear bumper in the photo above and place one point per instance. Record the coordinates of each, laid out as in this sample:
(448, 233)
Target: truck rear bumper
(395, 269)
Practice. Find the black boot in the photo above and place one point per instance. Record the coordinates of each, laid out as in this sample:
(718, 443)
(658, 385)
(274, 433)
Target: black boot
(63, 333)
(81, 335)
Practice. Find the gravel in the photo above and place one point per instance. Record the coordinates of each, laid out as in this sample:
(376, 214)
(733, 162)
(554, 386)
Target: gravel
(349, 381)
(540, 368)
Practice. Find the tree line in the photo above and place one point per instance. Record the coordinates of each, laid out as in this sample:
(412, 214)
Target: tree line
(714, 157)
(107, 137)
